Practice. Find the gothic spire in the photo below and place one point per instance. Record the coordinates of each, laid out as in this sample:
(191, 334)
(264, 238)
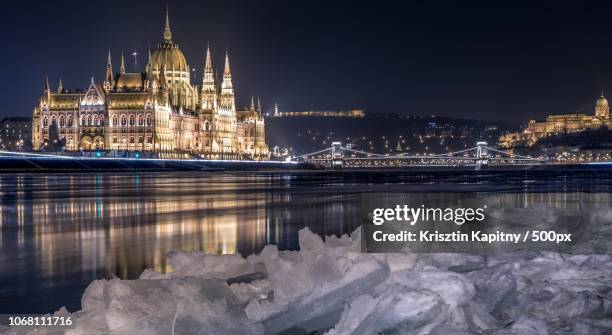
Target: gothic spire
(148, 67)
(209, 76)
(252, 103)
(226, 71)
(258, 105)
(108, 79)
(167, 32)
(227, 100)
(208, 62)
(60, 87)
(122, 68)
(47, 86)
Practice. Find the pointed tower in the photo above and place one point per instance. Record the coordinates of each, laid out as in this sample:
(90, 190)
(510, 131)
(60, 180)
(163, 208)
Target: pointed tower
(109, 80)
(252, 103)
(209, 89)
(227, 136)
(122, 67)
(47, 91)
(167, 32)
(148, 68)
(227, 100)
(258, 105)
(60, 87)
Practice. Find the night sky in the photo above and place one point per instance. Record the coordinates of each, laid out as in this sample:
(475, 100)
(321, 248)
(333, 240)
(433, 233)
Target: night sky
(490, 60)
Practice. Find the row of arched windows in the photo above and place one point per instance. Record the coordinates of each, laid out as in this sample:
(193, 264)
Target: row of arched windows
(92, 120)
(124, 121)
(63, 121)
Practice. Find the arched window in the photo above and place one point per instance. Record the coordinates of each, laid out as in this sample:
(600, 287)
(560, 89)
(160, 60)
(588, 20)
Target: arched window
(132, 120)
(82, 120)
(69, 120)
(140, 120)
(45, 121)
(96, 122)
(149, 121)
(89, 123)
(114, 120)
(62, 121)
(206, 125)
(53, 120)
(101, 120)
(123, 121)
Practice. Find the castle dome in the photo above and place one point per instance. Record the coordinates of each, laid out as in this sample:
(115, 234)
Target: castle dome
(602, 102)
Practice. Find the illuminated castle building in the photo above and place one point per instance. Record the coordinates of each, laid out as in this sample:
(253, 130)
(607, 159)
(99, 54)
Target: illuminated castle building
(560, 124)
(157, 111)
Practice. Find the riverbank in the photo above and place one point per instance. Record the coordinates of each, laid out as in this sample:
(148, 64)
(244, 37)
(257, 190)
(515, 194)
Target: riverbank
(62, 164)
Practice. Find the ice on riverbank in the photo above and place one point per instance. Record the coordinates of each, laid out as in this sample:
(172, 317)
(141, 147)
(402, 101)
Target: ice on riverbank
(331, 287)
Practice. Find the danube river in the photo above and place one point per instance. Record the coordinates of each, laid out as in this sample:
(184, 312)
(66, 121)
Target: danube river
(60, 232)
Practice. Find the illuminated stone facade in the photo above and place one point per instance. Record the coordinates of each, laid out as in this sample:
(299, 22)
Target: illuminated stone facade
(560, 124)
(157, 111)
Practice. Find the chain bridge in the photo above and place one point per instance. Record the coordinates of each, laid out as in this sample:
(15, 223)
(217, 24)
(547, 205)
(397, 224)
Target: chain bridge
(482, 155)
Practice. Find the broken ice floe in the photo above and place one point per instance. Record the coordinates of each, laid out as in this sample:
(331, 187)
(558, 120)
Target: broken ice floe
(331, 287)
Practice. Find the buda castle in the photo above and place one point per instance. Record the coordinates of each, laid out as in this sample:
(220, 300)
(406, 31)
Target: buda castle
(158, 111)
(560, 124)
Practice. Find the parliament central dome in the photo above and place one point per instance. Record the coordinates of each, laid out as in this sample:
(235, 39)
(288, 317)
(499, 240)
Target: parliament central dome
(168, 56)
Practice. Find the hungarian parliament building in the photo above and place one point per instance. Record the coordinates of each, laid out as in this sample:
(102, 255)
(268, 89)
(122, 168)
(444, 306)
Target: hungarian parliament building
(560, 124)
(157, 111)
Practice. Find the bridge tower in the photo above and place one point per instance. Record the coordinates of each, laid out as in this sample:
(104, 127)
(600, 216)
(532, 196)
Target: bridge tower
(337, 153)
(482, 155)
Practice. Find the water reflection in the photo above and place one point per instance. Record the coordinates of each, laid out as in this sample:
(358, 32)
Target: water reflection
(59, 232)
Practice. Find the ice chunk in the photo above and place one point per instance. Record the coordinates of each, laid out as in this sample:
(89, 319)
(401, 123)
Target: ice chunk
(526, 326)
(367, 315)
(321, 308)
(183, 304)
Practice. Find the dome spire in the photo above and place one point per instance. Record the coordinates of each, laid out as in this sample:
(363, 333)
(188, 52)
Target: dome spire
(167, 32)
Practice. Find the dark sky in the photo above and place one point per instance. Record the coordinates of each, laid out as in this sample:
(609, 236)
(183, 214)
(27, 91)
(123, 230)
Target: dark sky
(492, 60)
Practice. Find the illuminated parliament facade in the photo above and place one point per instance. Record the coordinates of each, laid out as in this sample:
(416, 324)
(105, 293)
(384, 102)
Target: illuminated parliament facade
(158, 111)
(560, 124)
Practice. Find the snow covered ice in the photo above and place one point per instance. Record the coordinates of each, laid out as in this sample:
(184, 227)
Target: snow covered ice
(330, 287)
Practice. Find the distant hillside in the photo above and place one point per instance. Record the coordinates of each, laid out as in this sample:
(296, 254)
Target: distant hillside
(380, 133)
(590, 139)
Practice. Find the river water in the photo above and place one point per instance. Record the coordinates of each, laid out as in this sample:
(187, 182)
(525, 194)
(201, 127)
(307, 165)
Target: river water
(60, 232)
